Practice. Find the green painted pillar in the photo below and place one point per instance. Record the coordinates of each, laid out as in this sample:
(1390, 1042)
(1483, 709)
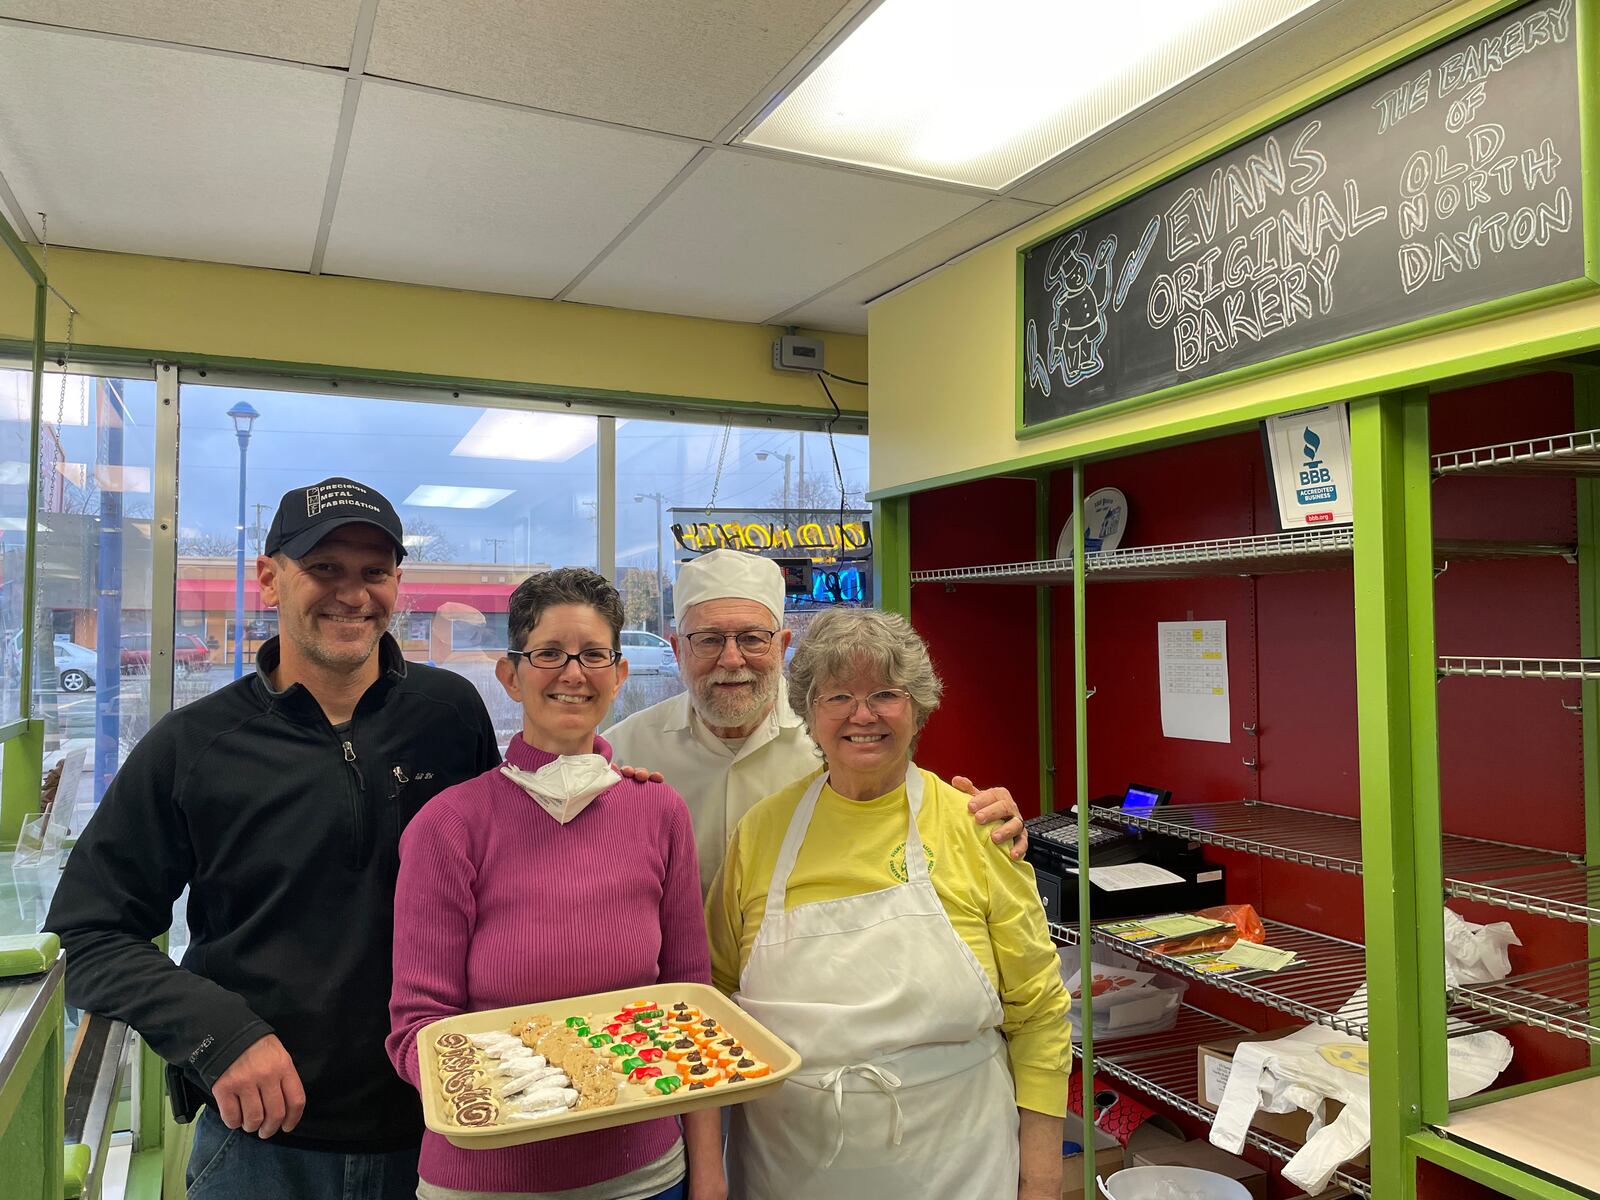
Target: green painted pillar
(21, 772)
(1396, 679)
(891, 554)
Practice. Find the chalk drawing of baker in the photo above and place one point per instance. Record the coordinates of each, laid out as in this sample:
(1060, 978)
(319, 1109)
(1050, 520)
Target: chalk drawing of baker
(1080, 290)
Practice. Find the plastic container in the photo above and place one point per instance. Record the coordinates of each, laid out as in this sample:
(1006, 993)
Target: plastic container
(1171, 1183)
(1150, 1009)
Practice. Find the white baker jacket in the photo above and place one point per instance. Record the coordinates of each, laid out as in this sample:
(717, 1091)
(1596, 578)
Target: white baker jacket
(718, 784)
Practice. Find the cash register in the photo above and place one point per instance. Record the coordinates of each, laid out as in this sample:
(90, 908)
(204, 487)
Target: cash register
(1053, 853)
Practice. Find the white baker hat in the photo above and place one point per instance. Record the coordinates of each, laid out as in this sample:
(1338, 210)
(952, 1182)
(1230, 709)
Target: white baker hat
(728, 575)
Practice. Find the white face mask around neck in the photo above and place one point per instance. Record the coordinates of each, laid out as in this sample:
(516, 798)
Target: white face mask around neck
(566, 786)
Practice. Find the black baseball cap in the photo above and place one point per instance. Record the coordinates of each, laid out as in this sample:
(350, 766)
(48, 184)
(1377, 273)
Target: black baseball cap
(307, 515)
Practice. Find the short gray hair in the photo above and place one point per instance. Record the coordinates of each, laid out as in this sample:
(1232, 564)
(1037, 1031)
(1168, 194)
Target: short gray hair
(842, 641)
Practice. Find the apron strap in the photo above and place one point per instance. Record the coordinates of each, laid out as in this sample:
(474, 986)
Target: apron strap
(887, 1083)
(794, 837)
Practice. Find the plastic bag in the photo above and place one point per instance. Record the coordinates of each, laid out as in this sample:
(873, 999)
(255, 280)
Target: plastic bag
(1316, 1064)
(1246, 927)
(1476, 953)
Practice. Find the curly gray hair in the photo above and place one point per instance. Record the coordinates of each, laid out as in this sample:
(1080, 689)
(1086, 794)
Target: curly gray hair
(843, 641)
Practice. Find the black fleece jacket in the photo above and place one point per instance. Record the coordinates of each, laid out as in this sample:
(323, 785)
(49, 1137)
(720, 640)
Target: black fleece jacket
(286, 832)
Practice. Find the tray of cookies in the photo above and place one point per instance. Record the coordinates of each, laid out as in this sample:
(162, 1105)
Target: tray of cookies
(535, 1071)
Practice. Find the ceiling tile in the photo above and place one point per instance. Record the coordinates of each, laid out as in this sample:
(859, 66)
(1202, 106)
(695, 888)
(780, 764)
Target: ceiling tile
(844, 308)
(1300, 50)
(746, 236)
(467, 194)
(689, 67)
(310, 31)
(168, 152)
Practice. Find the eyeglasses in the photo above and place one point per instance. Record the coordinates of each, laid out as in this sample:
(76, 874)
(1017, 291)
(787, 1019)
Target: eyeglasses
(548, 658)
(752, 643)
(889, 702)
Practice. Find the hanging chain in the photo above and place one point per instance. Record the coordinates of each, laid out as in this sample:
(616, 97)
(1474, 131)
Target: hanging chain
(727, 432)
(66, 353)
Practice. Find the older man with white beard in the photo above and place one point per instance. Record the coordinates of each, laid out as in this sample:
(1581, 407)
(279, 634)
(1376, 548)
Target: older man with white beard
(731, 738)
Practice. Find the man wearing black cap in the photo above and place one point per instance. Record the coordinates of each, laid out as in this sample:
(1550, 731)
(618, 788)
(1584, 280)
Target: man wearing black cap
(278, 801)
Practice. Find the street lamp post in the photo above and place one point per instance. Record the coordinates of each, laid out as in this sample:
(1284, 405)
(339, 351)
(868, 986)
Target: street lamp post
(661, 575)
(244, 416)
(762, 456)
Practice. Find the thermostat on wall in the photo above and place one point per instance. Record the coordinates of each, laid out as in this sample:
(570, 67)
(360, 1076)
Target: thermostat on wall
(791, 353)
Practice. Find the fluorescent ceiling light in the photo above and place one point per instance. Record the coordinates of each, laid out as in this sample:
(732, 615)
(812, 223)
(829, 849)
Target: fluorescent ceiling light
(982, 92)
(440, 495)
(68, 400)
(526, 436)
(107, 478)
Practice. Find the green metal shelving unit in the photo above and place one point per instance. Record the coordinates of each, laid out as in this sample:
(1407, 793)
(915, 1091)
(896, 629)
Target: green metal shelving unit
(1407, 863)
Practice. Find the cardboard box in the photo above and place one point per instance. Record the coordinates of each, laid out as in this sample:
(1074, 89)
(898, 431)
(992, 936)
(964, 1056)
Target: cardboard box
(1213, 1062)
(1153, 1134)
(1108, 1160)
(1206, 1157)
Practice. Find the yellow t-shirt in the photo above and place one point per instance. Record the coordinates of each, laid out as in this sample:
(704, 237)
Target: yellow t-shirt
(853, 847)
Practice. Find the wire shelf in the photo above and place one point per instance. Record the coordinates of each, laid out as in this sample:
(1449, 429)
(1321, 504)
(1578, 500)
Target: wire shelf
(1570, 892)
(1521, 668)
(1165, 1067)
(1564, 999)
(1523, 878)
(1566, 454)
(1320, 988)
(1265, 554)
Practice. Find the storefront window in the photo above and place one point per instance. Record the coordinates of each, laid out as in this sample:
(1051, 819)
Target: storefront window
(776, 486)
(487, 496)
(92, 579)
(91, 683)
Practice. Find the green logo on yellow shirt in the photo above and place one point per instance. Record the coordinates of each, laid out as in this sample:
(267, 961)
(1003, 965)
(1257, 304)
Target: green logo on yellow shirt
(897, 861)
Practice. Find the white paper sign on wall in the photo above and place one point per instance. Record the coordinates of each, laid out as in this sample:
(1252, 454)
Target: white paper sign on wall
(1309, 452)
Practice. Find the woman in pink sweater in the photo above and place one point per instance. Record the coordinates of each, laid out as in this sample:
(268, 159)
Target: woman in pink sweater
(549, 877)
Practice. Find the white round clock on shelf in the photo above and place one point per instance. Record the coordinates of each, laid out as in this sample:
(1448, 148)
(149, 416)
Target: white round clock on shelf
(1105, 517)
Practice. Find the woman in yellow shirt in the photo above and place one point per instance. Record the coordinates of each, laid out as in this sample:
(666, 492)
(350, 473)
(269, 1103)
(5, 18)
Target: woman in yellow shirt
(864, 918)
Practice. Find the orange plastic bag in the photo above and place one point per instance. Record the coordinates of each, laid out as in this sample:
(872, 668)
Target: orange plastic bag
(1246, 926)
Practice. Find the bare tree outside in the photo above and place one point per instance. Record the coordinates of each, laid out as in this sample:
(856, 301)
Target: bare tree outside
(426, 542)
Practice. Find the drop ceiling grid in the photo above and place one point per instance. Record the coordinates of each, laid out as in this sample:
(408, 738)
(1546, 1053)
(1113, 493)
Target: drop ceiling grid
(843, 307)
(686, 68)
(746, 235)
(178, 153)
(309, 31)
(459, 193)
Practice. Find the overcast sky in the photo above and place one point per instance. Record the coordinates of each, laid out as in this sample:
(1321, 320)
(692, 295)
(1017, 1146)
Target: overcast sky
(396, 446)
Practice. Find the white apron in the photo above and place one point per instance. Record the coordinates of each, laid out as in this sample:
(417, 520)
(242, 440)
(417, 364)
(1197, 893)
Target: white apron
(905, 1088)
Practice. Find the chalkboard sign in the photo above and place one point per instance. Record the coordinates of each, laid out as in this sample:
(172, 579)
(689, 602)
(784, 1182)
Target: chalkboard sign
(1448, 181)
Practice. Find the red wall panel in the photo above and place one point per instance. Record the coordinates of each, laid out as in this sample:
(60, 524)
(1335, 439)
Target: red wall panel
(1510, 755)
(982, 637)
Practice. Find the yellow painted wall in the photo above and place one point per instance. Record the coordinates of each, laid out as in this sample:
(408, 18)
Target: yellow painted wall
(190, 309)
(944, 350)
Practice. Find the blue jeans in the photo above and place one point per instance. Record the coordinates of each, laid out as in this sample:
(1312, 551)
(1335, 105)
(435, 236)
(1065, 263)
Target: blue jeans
(230, 1164)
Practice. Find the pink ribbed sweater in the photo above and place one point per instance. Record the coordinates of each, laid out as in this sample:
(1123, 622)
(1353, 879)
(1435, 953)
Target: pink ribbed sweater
(497, 904)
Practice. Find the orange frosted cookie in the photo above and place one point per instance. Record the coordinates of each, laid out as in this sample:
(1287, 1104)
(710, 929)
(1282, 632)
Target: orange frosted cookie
(683, 1014)
(748, 1067)
(682, 1048)
(703, 1073)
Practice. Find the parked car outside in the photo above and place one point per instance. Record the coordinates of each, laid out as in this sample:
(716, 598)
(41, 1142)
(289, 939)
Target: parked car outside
(647, 653)
(76, 666)
(188, 652)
